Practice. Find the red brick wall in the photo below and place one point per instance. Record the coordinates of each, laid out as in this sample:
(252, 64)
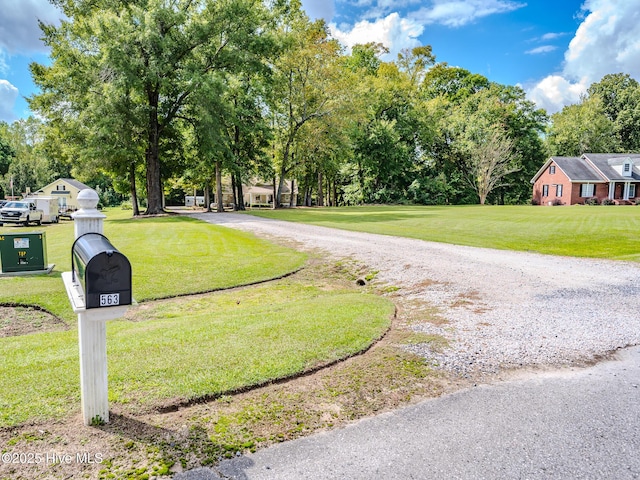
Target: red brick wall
(553, 179)
(600, 191)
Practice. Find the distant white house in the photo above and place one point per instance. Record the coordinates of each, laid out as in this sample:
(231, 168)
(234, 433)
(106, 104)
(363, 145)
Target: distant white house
(66, 190)
(254, 195)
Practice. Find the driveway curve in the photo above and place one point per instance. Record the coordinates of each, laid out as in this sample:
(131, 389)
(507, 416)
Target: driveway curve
(499, 309)
(503, 309)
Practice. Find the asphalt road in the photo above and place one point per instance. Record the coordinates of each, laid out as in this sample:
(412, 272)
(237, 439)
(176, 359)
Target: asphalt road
(567, 424)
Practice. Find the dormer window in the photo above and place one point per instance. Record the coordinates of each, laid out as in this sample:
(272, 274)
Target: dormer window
(627, 168)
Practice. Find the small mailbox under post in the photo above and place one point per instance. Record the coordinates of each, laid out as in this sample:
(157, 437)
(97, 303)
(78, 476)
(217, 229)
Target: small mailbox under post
(99, 289)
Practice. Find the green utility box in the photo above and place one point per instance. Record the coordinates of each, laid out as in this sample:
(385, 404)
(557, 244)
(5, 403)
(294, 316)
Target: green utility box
(23, 252)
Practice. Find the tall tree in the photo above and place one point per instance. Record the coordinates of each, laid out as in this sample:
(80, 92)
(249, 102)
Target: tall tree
(620, 97)
(391, 136)
(151, 53)
(581, 128)
(247, 131)
(489, 159)
(306, 88)
(29, 167)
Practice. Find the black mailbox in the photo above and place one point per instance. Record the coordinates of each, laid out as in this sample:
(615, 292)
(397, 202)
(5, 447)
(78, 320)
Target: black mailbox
(102, 271)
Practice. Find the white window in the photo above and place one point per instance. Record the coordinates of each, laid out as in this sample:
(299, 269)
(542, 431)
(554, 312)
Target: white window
(552, 169)
(586, 190)
(559, 190)
(545, 190)
(632, 190)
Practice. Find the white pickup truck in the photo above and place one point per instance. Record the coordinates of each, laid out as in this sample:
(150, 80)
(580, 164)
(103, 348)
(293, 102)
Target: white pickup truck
(22, 211)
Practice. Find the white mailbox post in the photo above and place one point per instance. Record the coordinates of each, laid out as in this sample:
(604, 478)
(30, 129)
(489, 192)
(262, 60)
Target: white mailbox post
(92, 332)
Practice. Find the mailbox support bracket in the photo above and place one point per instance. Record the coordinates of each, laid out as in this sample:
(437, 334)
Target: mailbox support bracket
(76, 297)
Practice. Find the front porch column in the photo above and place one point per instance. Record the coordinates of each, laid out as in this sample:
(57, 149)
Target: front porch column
(612, 190)
(627, 187)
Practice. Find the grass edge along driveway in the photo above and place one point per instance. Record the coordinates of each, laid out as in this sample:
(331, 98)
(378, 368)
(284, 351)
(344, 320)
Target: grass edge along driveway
(581, 231)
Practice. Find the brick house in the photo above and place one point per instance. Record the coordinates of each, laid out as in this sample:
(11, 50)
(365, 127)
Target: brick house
(574, 180)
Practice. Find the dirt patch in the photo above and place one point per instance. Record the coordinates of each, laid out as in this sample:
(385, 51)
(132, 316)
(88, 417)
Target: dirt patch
(20, 320)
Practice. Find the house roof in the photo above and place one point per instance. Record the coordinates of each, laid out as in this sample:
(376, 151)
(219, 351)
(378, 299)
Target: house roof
(606, 161)
(576, 169)
(265, 189)
(594, 167)
(70, 181)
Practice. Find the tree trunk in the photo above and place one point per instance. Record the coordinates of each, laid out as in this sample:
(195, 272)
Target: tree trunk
(307, 197)
(152, 157)
(361, 181)
(134, 194)
(207, 198)
(283, 171)
(233, 192)
(328, 185)
(240, 205)
(291, 202)
(335, 193)
(320, 190)
(220, 207)
(276, 197)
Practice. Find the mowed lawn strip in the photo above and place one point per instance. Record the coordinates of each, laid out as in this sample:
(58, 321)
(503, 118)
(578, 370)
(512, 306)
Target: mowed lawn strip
(581, 231)
(177, 351)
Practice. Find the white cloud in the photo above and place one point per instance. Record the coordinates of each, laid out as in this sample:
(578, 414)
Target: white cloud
(319, 9)
(551, 36)
(607, 41)
(456, 13)
(8, 97)
(554, 92)
(542, 49)
(19, 30)
(393, 32)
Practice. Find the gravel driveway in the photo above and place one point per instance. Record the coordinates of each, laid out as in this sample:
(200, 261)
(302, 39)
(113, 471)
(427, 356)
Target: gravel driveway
(502, 308)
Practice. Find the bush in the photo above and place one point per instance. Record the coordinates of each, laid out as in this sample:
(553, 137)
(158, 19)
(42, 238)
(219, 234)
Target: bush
(592, 201)
(608, 201)
(126, 205)
(535, 201)
(556, 202)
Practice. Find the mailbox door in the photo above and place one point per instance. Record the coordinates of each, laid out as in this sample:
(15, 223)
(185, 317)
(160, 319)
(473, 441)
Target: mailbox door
(107, 280)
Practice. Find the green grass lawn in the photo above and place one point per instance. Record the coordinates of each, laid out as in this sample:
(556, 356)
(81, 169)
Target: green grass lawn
(169, 256)
(601, 231)
(192, 348)
(189, 347)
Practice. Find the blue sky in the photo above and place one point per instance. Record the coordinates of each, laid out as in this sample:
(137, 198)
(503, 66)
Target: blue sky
(554, 49)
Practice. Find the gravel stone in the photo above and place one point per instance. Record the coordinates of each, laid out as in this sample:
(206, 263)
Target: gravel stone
(504, 309)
